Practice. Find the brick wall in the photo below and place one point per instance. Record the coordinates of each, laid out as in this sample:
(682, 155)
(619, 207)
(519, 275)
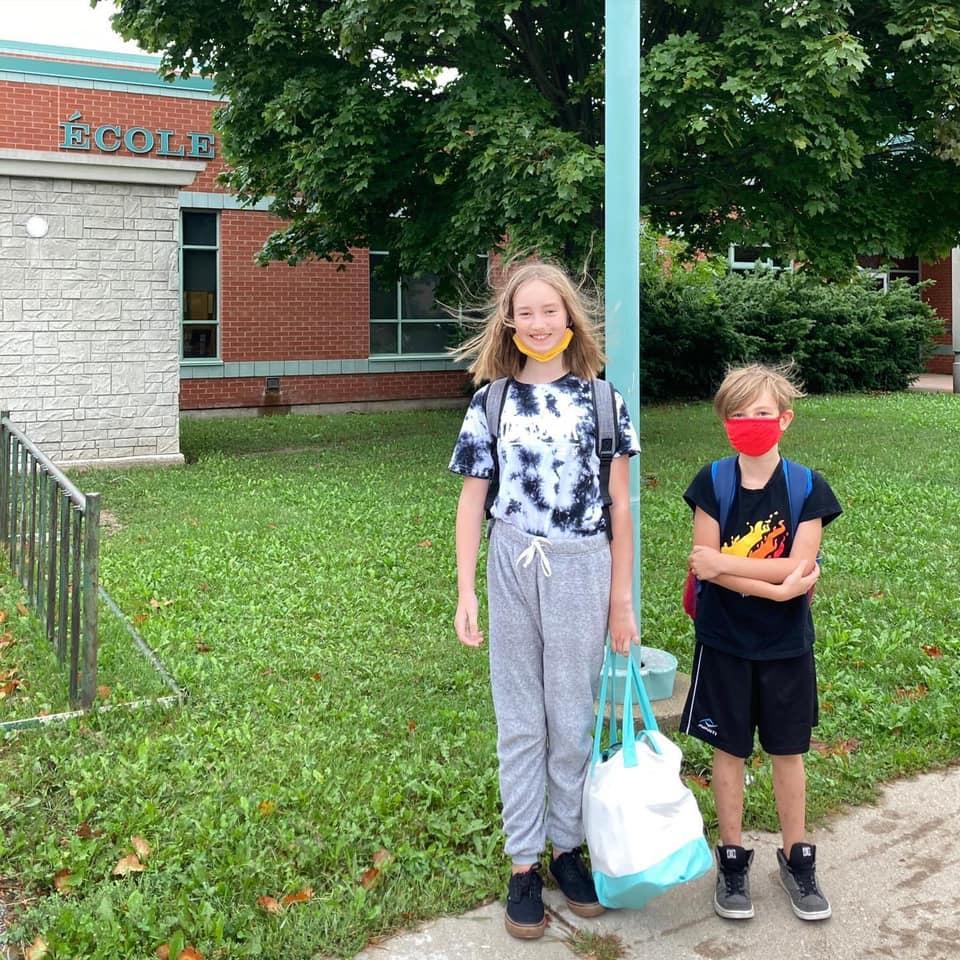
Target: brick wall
(89, 317)
(30, 115)
(940, 297)
(313, 311)
(249, 391)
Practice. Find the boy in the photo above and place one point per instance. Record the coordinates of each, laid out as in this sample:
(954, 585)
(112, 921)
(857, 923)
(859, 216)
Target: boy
(753, 666)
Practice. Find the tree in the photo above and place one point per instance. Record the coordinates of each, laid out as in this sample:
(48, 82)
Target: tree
(824, 128)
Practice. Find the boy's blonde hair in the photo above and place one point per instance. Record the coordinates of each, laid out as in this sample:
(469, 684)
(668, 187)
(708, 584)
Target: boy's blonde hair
(742, 385)
(492, 350)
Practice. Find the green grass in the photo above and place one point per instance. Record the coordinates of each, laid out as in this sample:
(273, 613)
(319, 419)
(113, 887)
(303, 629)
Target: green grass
(305, 600)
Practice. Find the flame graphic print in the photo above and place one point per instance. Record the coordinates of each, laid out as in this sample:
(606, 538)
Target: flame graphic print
(765, 539)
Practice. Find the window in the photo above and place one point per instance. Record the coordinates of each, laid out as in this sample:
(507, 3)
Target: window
(199, 270)
(405, 318)
(744, 259)
(885, 271)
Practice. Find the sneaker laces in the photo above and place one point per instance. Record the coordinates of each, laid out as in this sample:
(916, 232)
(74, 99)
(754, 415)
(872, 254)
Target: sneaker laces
(806, 882)
(527, 884)
(735, 882)
(535, 550)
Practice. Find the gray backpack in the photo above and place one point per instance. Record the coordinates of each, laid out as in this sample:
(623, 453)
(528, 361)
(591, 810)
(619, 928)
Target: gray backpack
(604, 414)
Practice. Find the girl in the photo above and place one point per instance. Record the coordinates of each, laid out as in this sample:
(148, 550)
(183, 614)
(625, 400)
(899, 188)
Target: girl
(557, 579)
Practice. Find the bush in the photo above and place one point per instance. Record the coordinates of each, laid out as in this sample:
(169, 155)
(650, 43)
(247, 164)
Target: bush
(843, 336)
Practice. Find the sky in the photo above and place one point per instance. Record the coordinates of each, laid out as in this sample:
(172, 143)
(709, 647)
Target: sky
(63, 23)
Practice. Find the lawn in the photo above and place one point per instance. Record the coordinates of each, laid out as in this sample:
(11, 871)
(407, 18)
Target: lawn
(339, 743)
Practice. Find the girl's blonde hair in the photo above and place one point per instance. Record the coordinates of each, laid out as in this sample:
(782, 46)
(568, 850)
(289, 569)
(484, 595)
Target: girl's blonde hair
(742, 385)
(492, 350)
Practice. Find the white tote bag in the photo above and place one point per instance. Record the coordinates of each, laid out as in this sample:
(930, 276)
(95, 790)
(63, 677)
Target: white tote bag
(644, 829)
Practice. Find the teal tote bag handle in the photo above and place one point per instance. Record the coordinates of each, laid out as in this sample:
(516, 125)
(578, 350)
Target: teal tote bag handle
(635, 682)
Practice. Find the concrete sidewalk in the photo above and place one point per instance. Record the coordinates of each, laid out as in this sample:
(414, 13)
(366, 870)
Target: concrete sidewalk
(892, 872)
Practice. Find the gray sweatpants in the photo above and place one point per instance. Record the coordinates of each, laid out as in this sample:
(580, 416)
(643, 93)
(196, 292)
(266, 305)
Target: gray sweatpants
(547, 632)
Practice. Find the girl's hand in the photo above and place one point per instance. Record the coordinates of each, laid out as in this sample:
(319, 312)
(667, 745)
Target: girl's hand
(466, 621)
(799, 581)
(706, 563)
(622, 625)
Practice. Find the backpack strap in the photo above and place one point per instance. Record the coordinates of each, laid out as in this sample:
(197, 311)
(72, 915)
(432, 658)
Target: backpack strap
(723, 473)
(493, 403)
(605, 417)
(799, 484)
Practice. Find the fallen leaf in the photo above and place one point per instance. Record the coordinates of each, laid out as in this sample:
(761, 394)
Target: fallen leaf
(8, 689)
(266, 808)
(425, 544)
(203, 647)
(190, 953)
(84, 831)
(699, 780)
(382, 857)
(301, 896)
(8, 674)
(6, 639)
(316, 676)
(369, 878)
(204, 587)
(140, 618)
(839, 748)
(159, 604)
(411, 726)
(650, 481)
(128, 864)
(826, 705)
(24, 612)
(912, 693)
(62, 882)
(37, 950)
(103, 692)
(931, 650)
(3, 616)
(163, 952)
(141, 846)
(269, 904)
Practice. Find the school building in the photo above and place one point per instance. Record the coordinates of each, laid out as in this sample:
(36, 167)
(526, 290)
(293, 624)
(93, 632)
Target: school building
(128, 288)
(129, 292)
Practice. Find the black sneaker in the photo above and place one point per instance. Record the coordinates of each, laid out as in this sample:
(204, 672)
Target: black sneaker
(524, 917)
(732, 897)
(798, 876)
(576, 884)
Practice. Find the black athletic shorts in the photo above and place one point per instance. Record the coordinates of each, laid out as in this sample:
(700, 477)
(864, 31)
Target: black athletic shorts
(730, 698)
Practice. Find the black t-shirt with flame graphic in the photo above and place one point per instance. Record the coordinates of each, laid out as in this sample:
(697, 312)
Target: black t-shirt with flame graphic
(758, 527)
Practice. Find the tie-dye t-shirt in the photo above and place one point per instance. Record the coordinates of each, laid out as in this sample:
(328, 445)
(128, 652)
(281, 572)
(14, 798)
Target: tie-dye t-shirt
(752, 627)
(549, 468)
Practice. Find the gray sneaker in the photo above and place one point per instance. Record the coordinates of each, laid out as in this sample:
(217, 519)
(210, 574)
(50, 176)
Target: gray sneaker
(798, 876)
(732, 897)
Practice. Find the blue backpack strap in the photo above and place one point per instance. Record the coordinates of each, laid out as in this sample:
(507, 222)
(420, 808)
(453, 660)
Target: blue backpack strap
(493, 402)
(799, 484)
(723, 473)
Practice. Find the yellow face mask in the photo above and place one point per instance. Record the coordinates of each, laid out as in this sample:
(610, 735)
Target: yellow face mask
(548, 354)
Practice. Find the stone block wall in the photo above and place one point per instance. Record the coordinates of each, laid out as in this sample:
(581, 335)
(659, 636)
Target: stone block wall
(89, 318)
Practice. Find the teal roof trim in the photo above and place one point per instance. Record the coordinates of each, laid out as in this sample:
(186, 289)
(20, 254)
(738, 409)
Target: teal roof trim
(91, 72)
(100, 56)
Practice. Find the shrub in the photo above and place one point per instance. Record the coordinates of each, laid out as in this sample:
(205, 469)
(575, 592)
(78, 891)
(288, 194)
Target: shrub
(843, 336)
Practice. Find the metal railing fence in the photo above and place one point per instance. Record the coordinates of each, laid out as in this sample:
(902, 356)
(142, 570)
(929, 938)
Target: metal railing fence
(50, 534)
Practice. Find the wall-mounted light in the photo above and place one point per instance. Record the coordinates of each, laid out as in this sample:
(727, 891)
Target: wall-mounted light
(37, 227)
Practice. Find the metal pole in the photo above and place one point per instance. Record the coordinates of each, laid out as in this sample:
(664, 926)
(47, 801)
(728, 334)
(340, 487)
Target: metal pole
(622, 225)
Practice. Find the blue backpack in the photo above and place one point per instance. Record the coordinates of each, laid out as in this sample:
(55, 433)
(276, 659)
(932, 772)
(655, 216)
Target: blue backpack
(723, 473)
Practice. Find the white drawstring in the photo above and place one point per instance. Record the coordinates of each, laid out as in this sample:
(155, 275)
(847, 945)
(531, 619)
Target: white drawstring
(535, 549)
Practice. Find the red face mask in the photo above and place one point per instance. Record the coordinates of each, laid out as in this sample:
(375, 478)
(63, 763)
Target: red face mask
(753, 437)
